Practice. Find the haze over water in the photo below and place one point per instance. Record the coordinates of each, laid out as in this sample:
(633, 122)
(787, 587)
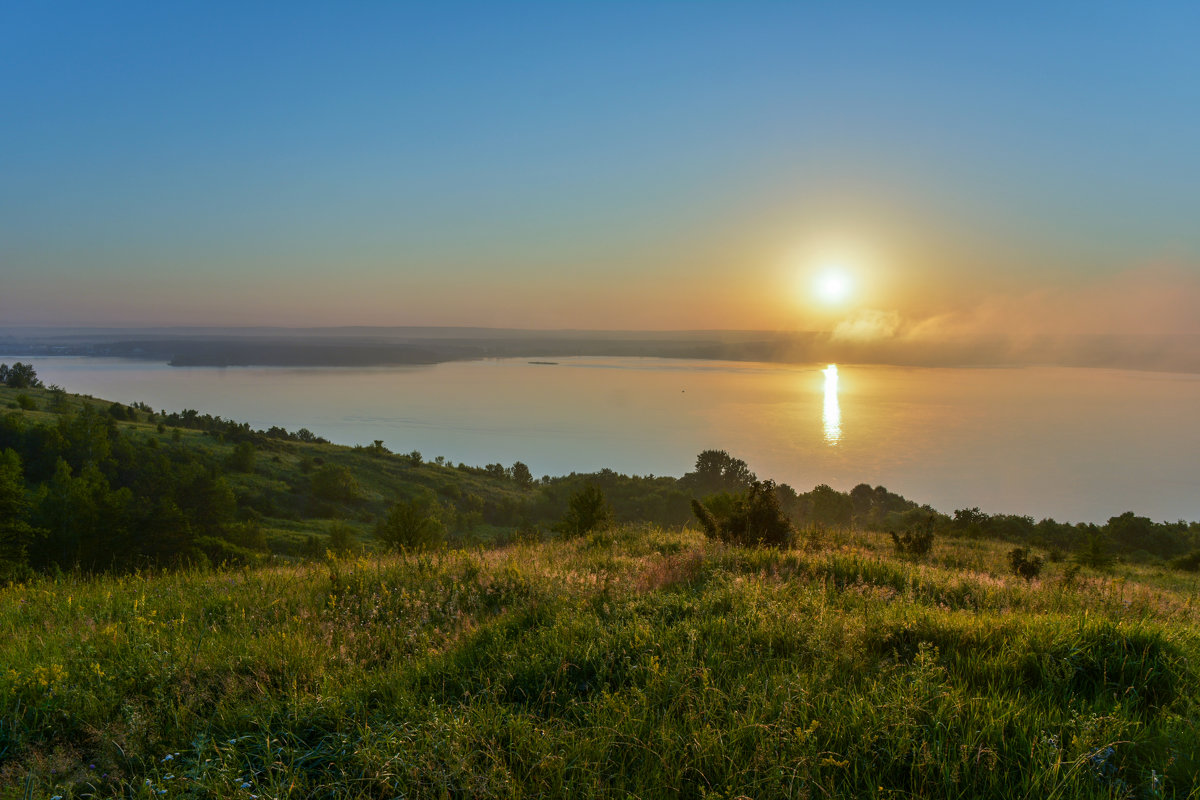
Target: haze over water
(1073, 444)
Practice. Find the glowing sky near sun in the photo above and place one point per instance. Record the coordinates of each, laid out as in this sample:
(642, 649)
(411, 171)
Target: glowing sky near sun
(597, 165)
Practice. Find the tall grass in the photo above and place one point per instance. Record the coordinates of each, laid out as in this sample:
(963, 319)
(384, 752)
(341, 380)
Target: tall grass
(633, 662)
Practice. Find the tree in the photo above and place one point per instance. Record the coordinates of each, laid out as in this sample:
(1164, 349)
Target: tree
(718, 471)
(242, 458)
(862, 501)
(19, 376)
(829, 506)
(587, 510)
(15, 532)
(413, 524)
(970, 521)
(521, 475)
(1095, 552)
(334, 484)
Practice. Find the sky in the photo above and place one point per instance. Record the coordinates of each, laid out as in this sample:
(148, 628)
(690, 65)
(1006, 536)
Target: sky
(614, 165)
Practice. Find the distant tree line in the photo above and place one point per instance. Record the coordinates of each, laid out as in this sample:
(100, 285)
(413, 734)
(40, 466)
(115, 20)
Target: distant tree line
(228, 430)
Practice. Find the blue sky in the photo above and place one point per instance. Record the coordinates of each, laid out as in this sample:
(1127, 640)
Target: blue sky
(600, 165)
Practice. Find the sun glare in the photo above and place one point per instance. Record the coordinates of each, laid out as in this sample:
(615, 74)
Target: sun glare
(833, 285)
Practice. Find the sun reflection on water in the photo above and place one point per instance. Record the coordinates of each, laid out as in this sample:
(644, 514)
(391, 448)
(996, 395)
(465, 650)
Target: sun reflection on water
(832, 415)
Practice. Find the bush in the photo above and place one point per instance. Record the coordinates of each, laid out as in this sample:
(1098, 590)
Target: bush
(334, 484)
(1188, 563)
(752, 518)
(1095, 552)
(341, 538)
(587, 510)
(917, 541)
(413, 524)
(1023, 564)
(242, 458)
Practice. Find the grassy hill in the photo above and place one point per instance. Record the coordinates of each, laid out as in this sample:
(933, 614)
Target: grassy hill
(179, 619)
(632, 662)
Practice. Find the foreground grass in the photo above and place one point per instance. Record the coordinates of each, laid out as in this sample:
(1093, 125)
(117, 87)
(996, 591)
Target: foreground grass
(632, 663)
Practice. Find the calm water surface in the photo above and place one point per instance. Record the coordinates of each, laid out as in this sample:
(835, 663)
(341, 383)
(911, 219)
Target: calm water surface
(1077, 444)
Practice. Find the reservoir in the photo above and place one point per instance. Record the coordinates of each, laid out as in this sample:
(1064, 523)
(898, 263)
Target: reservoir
(1070, 443)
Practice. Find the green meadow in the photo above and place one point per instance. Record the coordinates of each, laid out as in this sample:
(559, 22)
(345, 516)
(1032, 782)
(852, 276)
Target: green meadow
(634, 661)
(190, 608)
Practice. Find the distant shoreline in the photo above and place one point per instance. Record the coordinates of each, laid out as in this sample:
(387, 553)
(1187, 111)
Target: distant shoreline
(370, 347)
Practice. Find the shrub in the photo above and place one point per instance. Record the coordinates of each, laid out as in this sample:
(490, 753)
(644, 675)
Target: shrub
(413, 524)
(26, 403)
(1188, 563)
(752, 518)
(341, 538)
(587, 510)
(242, 458)
(1095, 552)
(1023, 564)
(334, 484)
(917, 541)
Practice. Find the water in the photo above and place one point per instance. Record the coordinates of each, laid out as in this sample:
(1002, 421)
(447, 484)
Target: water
(1075, 444)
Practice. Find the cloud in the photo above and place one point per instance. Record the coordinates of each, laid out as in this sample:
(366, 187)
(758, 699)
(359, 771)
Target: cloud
(1148, 301)
(1139, 319)
(867, 325)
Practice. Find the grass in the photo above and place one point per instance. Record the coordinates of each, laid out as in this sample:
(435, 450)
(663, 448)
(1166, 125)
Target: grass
(635, 662)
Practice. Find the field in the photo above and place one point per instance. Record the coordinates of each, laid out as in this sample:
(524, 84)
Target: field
(632, 662)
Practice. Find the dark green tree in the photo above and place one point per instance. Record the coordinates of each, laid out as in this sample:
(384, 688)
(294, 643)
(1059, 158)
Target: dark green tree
(970, 522)
(242, 458)
(829, 506)
(16, 534)
(19, 376)
(1095, 552)
(521, 475)
(414, 524)
(334, 484)
(587, 510)
(717, 471)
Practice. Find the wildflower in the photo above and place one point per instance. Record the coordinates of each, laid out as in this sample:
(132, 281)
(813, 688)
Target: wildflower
(167, 758)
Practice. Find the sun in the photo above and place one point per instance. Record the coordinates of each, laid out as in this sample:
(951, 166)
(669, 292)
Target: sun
(833, 285)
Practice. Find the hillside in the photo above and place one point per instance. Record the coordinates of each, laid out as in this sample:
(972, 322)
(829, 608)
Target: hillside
(193, 607)
(632, 662)
(94, 485)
